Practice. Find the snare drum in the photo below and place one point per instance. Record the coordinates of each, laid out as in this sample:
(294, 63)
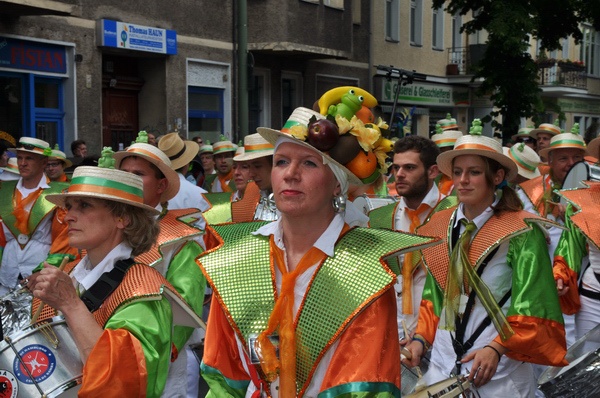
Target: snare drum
(581, 378)
(41, 360)
(449, 388)
(366, 203)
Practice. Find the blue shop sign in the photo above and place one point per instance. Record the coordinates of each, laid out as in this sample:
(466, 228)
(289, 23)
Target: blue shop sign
(32, 55)
(136, 37)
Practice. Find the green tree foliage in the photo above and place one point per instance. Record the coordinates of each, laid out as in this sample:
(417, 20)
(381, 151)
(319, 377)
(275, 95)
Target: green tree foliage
(509, 72)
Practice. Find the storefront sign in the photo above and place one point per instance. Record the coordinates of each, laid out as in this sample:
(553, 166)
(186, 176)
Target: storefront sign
(578, 106)
(32, 55)
(136, 37)
(425, 94)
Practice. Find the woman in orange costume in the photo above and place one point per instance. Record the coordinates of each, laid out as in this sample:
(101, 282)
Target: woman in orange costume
(125, 344)
(489, 306)
(309, 280)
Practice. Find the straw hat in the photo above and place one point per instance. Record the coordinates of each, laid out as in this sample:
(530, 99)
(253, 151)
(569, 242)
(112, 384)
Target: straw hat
(206, 148)
(524, 132)
(239, 152)
(565, 140)
(476, 144)
(12, 166)
(103, 183)
(525, 158)
(223, 145)
(548, 128)
(446, 138)
(180, 152)
(449, 123)
(57, 154)
(301, 117)
(158, 158)
(33, 145)
(255, 146)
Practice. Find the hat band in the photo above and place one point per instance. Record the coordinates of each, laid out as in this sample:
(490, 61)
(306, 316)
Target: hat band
(257, 147)
(567, 143)
(452, 126)
(178, 154)
(224, 148)
(101, 185)
(550, 129)
(145, 152)
(468, 145)
(12, 167)
(446, 142)
(289, 124)
(31, 147)
(520, 162)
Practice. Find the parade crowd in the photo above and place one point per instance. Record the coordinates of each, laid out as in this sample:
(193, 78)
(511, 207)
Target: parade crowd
(321, 259)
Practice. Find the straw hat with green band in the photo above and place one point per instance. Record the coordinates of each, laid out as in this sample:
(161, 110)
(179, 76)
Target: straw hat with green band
(33, 145)
(524, 132)
(108, 184)
(223, 145)
(255, 146)
(525, 158)
(12, 166)
(206, 148)
(565, 141)
(57, 154)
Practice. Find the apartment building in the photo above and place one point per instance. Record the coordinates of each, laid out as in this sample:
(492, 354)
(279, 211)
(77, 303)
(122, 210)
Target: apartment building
(103, 70)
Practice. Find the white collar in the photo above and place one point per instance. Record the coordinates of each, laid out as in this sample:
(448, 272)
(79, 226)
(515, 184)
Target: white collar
(480, 219)
(325, 243)
(87, 276)
(42, 183)
(431, 199)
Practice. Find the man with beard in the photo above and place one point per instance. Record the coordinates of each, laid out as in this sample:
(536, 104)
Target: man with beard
(414, 167)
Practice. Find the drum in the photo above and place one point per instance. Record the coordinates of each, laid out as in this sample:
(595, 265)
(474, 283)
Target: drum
(15, 311)
(581, 378)
(449, 388)
(366, 203)
(579, 172)
(41, 360)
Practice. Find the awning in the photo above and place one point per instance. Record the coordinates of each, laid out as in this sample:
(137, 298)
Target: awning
(34, 7)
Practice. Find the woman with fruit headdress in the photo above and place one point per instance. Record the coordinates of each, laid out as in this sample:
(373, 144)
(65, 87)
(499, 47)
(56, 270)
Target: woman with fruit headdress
(489, 306)
(308, 283)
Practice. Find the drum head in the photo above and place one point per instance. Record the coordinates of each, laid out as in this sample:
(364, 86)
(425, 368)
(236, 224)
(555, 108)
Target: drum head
(579, 172)
(580, 372)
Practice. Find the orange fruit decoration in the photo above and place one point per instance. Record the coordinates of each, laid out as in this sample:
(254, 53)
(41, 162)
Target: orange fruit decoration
(365, 115)
(363, 165)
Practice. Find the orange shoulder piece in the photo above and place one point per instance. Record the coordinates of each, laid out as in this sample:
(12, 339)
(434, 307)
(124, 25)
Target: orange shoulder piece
(243, 210)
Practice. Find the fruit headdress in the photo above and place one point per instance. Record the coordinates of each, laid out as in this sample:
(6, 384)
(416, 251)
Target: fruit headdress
(348, 133)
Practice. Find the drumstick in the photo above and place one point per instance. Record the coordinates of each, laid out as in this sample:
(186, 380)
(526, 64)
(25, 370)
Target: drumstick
(404, 329)
(38, 312)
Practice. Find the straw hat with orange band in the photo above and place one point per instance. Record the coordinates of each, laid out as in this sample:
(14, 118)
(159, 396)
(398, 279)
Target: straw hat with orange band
(33, 145)
(255, 146)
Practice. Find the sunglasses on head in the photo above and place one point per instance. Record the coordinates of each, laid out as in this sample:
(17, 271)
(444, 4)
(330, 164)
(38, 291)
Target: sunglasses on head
(29, 147)
(525, 140)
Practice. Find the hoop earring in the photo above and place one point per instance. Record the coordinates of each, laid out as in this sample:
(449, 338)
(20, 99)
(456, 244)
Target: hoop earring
(339, 204)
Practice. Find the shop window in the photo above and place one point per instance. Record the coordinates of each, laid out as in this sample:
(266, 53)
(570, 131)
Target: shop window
(205, 112)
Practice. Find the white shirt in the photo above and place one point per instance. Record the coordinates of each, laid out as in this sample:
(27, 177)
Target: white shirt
(325, 243)
(402, 223)
(16, 260)
(189, 196)
(84, 276)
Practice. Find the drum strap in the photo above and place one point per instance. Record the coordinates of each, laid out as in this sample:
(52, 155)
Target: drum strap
(105, 285)
(460, 347)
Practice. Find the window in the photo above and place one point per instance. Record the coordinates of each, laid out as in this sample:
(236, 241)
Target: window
(259, 108)
(437, 26)
(334, 3)
(205, 112)
(356, 12)
(291, 94)
(590, 50)
(48, 110)
(392, 20)
(565, 48)
(416, 22)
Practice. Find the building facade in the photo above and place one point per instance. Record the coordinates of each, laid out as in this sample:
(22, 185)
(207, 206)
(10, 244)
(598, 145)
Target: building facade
(102, 71)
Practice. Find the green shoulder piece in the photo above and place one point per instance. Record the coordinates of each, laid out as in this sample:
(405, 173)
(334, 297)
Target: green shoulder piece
(208, 181)
(383, 217)
(220, 210)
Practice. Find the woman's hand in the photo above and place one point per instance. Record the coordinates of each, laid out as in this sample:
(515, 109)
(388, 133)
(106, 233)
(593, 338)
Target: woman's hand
(416, 350)
(485, 364)
(54, 287)
(561, 287)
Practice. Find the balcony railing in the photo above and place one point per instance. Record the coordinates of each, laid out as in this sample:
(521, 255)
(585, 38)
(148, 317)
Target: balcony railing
(562, 75)
(458, 61)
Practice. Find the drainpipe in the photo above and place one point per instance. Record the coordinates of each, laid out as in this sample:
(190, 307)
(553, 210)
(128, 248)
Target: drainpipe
(242, 70)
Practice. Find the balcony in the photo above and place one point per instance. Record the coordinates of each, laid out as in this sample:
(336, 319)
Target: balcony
(462, 59)
(561, 74)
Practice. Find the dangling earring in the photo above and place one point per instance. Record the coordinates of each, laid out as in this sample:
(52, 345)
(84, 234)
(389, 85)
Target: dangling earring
(339, 203)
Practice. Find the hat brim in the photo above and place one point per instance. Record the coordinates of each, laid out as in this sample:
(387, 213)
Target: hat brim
(59, 199)
(546, 151)
(444, 160)
(191, 150)
(253, 155)
(27, 150)
(272, 135)
(533, 133)
(170, 174)
(66, 162)
(593, 147)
